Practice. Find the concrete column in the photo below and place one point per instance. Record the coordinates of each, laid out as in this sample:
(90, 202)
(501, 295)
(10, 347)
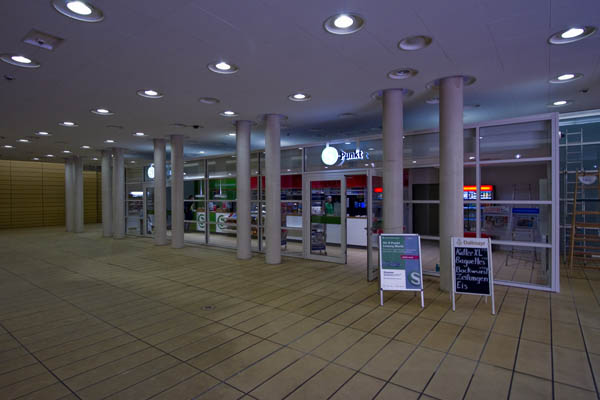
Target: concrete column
(160, 192)
(273, 188)
(451, 172)
(244, 249)
(78, 194)
(69, 198)
(107, 202)
(118, 194)
(177, 215)
(393, 172)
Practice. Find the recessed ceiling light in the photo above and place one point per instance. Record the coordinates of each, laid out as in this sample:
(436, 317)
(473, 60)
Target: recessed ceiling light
(571, 35)
(23, 140)
(149, 93)
(568, 77)
(344, 24)
(132, 162)
(299, 148)
(139, 134)
(102, 111)
(402, 73)
(228, 113)
(517, 156)
(49, 155)
(35, 159)
(85, 147)
(223, 67)
(80, 10)
(95, 158)
(109, 141)
(8, 146)
(414, 162)
(231, 134)
(209, 100)
(559, 103)
(43, 133)
(68, 124)
(471, 157)
(299, 97)
(371, 148)
(66, 151)
(413, 43)
(201, 152)
(347, 143)
(19, 60)
(433, 100)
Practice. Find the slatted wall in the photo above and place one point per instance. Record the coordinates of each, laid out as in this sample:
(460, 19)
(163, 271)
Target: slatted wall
(32, 194)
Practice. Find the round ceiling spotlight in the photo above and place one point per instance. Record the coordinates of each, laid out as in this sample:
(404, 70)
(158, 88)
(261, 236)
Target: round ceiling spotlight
(344, 24)
(68, 124)
(139, 134)
(43, 133)
(402, 73)
(299, 97)
(95, 158)
(209, 100)
(23, 140)
(19, 60)
(102, 111)
(66, 151)
(109, 141)
(560, 103)
(223, 67)
(378, 94)
(467, 81)
(35, 159)
(433, 100)
(571, 35)
(80, 10)
(413, 43)
(568, 77)
(8, 146)
(85, 147)
(149, 93)
(228, 113)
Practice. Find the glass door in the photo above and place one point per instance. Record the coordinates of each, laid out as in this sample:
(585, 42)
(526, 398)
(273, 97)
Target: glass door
(148, 209)
(374, 223)
(325, 218)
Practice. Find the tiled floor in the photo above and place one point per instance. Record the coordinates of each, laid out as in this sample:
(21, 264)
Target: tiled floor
(92, 318)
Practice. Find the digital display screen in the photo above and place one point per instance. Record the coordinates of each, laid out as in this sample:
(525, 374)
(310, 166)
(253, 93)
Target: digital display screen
(486, 192)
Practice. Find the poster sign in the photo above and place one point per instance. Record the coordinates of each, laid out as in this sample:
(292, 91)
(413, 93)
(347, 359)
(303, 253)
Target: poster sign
(472, 271)
(400, 263)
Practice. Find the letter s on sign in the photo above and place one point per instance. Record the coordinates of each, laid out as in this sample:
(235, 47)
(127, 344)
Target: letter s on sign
(415, 278)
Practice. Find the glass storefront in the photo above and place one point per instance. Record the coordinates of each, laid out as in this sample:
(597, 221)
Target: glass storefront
(331, 208)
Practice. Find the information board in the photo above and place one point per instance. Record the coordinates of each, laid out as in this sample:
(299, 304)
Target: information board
(400, 263)
(472, 271)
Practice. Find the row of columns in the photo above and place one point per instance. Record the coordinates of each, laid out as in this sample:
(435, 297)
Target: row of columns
(451, 180)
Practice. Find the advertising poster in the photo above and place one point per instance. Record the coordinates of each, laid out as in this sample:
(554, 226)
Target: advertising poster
(400, 263)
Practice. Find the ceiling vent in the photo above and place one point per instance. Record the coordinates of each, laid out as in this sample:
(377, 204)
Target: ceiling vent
(43, 40)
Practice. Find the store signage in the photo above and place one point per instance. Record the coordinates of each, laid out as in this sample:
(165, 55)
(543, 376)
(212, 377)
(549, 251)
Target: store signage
(400, 263)
(331, 155)
(472, 271)
(150, 171)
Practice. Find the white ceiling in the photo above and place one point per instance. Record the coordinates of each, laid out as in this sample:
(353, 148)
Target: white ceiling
(280, 47)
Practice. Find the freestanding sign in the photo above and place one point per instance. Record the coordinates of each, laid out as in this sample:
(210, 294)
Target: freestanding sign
(472, 271)
(400, 264)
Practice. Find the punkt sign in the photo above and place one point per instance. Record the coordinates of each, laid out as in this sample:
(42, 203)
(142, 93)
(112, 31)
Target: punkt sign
(331, 155)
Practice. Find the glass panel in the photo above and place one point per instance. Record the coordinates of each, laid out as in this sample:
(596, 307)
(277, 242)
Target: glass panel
(470, 144)
(291, 187)
(375, 150)
(430, 250)
(221, 235)
(254, 207)
(134, 219)
(422, 149)
(524, 140)
(325, 218)
(518, 181)
(134, 174)
(221, 167)
(522, 264)
(291, 160)
(376, 227)
(291, 241)
(424, 183)
(193, 170)
(426, 219)
(517, 222)
(291, 214)
(254, 164)
(134, 191)
(149, 210)
(222, 189)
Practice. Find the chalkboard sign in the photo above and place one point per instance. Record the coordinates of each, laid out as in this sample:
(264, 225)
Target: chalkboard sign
(472, 271)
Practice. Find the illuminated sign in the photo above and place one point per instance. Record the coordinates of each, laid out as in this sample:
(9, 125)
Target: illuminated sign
(331, 155)
(150, 171)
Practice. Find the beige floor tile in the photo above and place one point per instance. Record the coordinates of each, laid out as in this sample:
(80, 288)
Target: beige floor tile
(235, 364)
(391, 326)
(360, 353)
(565, 392)
(289, 379)
(256, 374)
(192, 387)
(339, 343)
(371, 320)
(534, 358)
(21, 374)
(567, 335)
(359, 387)
(482, 320)
(350, 316)
(388, 360)
(500, 350)
(332, 311)
(571, 367)
(52, 392)
(508, 324)
(469, 343)
(323, 384)
(224, 351)
(537, 330)
(418, 369)
(592, 339)
(441, 337)
(315, 338)
(526, 387)
(206, 344)
(295, 331)
(490, 383)
(393, 392)
(451, 379)
(416, 330)
(277, 325)
(27, 386)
